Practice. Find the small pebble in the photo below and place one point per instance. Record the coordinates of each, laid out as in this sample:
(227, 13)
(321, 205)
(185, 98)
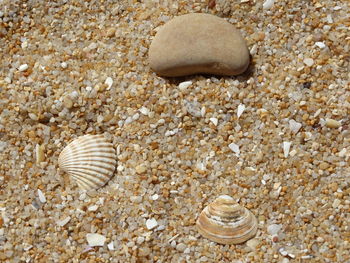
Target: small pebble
(109, 82)
(39, 153)
(308, 62)
(67, 102)
(240, 110)
(33, 116)
(336, 203)
(273, 229)
(136, 199)
(187, 250)
(253, 243)
(235, 148)
(64, 221)
(64, 65)
(268, 4)
(93, 208)
(140, 240)
(111, 32)
(110, 246)
(320, 239)
(283, 252)
(144, 110)
(24, 45)
(181, 247)
(23, 67)
(184, 85)
(151, 223)
(294, 126)
(330, 123)
(155, 197)
(286, 148)
(214, 121)
(41, 196)
(95, 240)
(140, 169)
(320, 45)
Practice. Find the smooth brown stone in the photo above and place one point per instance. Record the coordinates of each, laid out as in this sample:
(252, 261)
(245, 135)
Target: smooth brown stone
(198, 43)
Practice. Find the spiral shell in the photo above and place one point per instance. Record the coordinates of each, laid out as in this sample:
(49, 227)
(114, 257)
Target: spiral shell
(90, 160)
(226, 222)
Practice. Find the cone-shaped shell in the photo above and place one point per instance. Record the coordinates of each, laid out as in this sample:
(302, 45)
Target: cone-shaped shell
(226, 222)
(90, 160)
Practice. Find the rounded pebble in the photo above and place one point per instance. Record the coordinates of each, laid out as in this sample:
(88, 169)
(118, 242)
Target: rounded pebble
(199, 43)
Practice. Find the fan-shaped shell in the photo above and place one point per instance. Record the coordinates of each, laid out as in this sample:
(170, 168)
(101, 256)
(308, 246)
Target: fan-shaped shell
(90, 160)
(226, 222)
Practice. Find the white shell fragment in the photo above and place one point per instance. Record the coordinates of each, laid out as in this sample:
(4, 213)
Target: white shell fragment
(240, 110)
(110, 246)
(286, 148)
(64, 65)
(235, 148)
(93, 208)
(308, 62)
(268, 4)
(151, 223)
(64, 221)
(320, 45)
(226, 222)
(144, 110)
(273, 229)
(90, 160)
(23, 67)
(214, 121)
(95, 240)
(294, 126)
(41, 196)
(109, 82)
(184, 85)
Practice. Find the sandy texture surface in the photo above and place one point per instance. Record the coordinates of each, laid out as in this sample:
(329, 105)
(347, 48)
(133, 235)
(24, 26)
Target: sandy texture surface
(178, 148)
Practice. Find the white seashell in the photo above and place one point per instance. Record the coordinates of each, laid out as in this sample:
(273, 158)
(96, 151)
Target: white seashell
(90, 160)
(226, 222)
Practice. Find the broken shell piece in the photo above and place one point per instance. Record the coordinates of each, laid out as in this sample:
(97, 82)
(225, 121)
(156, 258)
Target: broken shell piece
(95, 240)
(90, 160)
(226, 222)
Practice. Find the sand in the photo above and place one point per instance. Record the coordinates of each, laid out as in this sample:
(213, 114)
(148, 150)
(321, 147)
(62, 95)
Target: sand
(70, 68)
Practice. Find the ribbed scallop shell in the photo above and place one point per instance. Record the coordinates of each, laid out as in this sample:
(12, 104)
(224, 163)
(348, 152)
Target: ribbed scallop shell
(90, 160)
(226, 222)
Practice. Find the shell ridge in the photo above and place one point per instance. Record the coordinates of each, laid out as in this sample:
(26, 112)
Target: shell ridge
(85, 150)
(88, 160)
(90, 172)
(83, 177)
